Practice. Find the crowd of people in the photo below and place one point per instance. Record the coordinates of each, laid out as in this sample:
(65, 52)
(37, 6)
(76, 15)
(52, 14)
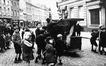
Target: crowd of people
(49, 48)
(23, 39)
(99, 35)
(6, 32)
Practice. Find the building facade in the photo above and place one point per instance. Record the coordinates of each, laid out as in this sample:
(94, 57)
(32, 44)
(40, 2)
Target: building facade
(15, 11)
(92, 11)
(33, 13)
(37, 13)
(96, 13)
(5, 11)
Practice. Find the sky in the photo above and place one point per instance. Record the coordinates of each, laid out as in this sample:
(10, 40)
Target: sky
(49, 3)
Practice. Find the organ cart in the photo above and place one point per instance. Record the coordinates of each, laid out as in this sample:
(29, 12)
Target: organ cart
(64, 27)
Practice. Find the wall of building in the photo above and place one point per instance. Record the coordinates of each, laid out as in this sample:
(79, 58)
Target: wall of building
(15, 9)
(5, 10)
(76, 9)
(36, 13)
(83, 9)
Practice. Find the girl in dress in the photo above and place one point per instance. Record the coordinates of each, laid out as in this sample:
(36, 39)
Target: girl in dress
(27, 46)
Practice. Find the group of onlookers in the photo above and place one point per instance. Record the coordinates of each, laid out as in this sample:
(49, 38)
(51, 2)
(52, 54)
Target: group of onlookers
(48, 48)
(23, 44)
(6, 32)
(99, 35)
(51, 47)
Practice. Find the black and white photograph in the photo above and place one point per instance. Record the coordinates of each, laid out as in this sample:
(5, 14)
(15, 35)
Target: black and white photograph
(52, 32)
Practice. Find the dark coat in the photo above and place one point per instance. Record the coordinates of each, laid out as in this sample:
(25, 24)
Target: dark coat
(103, 39)
(38, 31)
(2, 41)
(40, 41)
(93, 38)
(50, 55)
(27, 52)
(60, 47)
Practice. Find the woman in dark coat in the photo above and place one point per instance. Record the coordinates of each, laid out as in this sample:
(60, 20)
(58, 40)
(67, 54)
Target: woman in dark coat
(103, 40)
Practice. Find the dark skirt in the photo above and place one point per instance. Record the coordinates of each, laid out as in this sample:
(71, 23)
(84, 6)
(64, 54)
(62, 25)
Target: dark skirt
(17, 48)
(27, 53)
(93, 42)
(50, 58)
(103, 43)
(2, 42)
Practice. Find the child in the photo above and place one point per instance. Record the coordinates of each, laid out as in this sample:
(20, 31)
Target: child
(8, 39)
(27, 46)
(50, 53)
(60, 46)
(17, 45)
(94, 35)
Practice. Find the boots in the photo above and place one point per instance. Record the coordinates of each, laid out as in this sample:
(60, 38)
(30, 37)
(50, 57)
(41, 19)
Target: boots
(60, 63)
(36, 60)
(16, 60)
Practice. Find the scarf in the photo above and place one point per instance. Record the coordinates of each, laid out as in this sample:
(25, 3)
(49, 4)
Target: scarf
(27, 43)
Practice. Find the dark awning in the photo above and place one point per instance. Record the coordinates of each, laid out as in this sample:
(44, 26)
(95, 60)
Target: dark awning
(73, 19)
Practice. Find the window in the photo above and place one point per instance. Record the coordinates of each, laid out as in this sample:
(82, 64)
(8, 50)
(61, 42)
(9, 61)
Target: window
(13, 13)
(64, 0)
(0, 10)
(72, 13)
(4, 1)
(0, 1)
(16, 13)
(94, 16)
(12, 2)
(81, 12)
(8, 2)
(4, 9)
(8, 9)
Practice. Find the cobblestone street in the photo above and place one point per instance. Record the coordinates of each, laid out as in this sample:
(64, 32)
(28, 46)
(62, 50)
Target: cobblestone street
(87, 58)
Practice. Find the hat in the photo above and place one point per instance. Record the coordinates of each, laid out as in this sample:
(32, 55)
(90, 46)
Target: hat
(59, 35)
(51, 41)
(101, 26)
(26, 35)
